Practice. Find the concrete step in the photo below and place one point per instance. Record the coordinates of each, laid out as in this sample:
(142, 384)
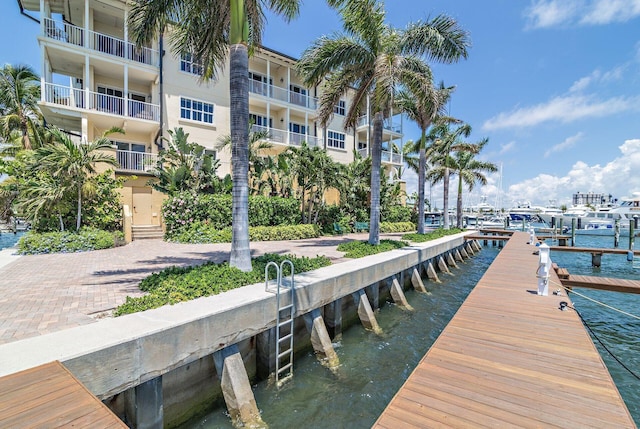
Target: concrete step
(146, 232)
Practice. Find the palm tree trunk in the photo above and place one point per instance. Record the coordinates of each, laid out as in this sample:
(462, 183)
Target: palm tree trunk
(445, 202)
(376, 162)
(459, 203)
(422, 164)
(239, 95)
(79, 213)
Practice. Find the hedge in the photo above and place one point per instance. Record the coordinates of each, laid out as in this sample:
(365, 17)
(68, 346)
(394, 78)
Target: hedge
(33, 243)
(201, 232)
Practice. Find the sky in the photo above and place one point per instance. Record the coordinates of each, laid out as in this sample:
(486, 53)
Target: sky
(553, 84)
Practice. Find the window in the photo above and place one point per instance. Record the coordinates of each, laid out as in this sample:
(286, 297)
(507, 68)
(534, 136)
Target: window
(340, 108)
(190, 64)
(258, 84)
(196, 110)
(297, 128)
(260, 120)
(335, 139)
(298, 95)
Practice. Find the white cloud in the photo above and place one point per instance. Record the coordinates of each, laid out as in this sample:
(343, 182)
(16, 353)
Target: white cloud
(597, 77)
(566, 144)
(617, 177)
(507, 147)
(551, 13)
(561, 109)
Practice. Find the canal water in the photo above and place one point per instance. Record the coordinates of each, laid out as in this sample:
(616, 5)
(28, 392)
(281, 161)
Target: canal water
(618, 332)
(9, 239)
(372, 367)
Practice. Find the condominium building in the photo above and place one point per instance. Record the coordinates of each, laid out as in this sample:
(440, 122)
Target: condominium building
(93, 78)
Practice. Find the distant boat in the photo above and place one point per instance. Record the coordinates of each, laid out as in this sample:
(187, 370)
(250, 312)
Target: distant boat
(522, 211)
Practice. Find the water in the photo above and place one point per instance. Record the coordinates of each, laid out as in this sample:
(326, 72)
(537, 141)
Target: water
(9, 239)
(372, 367)
(620, 333)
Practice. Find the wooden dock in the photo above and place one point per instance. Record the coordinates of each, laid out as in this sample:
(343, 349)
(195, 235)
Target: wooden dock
(49, 396)
(510, 358)
(602, 283)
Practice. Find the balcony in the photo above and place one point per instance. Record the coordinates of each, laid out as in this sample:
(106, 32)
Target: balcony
(387, 125)
(76, 98)
(281, 94)
(136, 161)
(387, 157)
(99, 42)
(287, 137)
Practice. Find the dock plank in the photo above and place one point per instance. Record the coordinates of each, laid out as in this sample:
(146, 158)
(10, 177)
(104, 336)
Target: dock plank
(50, 396)
(602, 283)
(510, 358)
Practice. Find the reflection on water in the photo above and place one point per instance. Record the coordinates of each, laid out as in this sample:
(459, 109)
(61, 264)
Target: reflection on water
(372, 367)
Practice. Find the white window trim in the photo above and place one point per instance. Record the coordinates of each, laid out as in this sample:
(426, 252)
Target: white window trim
(192, 62)
(195, 121)
(344, 140)
(337, 107)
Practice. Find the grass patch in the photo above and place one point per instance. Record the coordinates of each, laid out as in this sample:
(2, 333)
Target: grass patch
(360, 249)
(177, 284)
(438, 233)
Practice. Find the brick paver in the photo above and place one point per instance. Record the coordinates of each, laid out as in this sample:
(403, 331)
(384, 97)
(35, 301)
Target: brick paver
(46, 293)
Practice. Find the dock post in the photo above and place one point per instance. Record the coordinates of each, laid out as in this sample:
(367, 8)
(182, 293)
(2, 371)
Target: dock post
(596, 259)
(266, 353)
(320, 337)
(632, 232)
(442, 265)
(398, 295)
(544, 266)
(573, 232)
(144, 405)
(236, 388)
(416, 281)
(616, 233)
(365, 313)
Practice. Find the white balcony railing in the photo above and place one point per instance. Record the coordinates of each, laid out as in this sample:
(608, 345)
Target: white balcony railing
(287, 137)
(73, 97)
(136, 161)
(281, 94)
(99, 42)
(387, 124)
(386, 156)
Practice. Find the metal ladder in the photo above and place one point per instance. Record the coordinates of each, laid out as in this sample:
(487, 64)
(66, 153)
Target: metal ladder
(284, 320)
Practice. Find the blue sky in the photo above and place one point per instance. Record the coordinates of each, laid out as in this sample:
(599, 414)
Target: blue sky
(553, 84)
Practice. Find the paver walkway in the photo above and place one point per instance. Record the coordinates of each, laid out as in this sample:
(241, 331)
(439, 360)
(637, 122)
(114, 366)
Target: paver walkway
(46, 293)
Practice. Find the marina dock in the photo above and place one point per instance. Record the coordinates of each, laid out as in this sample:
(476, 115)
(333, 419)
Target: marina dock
(49, 396)
(510, 358)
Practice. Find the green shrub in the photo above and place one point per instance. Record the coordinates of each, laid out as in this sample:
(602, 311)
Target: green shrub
(359, 249)
(185, 209)
(396, 214)
(34, 243)
(438, 233)
(397, 226)
(176, 284)
(201, 232)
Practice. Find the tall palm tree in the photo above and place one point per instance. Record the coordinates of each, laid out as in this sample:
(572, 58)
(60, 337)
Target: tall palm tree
(210, 30)
(375, 59)
(423, 108)
(72, 163)
(19, 112)
(470, 171)
(444, 141)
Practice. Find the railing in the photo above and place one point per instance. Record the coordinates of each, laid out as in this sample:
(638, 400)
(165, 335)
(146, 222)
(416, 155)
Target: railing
(73, 97)
(387, 124)
(136, 161)
(386, 156)
(99, 42)
(277, 93)
(287, 137)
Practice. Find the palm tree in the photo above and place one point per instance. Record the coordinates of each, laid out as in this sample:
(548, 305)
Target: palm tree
(444, 141)
(470, 171)
(423, 108)
(211, 30)
(375, 59)
(71, 163)
(19, 112)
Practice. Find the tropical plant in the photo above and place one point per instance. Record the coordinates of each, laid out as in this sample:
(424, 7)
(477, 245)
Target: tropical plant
(211, 30)
(20, 115)
(185, 166)
(423, 108)
(469, 171)
(375, 59)
(70, 164)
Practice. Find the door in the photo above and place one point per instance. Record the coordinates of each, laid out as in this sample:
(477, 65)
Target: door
(142, 206)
